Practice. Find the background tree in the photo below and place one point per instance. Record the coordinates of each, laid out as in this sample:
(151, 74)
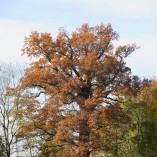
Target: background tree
(146, 134)
(10, 116)
(80, 74)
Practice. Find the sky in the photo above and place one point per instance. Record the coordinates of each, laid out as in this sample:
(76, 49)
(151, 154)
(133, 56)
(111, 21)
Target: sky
(134, 20)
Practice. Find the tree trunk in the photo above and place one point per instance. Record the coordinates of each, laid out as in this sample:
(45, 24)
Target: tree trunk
(84, 130)
(84, 139)
(84, 134)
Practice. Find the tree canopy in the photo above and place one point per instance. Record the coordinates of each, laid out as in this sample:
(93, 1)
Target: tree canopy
(80, 74)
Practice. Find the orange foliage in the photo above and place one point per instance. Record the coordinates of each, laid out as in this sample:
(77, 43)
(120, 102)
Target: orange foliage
(79, 73)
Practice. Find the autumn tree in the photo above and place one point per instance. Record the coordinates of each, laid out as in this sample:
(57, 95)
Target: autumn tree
(79, 74)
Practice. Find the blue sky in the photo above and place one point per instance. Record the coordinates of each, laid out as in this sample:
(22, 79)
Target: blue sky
(134, 20)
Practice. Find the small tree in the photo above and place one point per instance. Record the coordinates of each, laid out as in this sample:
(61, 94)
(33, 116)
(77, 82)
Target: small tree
(146, 117)
(10, 116)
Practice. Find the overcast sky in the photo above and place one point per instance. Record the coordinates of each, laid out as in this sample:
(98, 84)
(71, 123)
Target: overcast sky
(134, 20)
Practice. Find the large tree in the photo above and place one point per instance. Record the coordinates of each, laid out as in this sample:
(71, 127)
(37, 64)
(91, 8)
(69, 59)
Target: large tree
(79, 74)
